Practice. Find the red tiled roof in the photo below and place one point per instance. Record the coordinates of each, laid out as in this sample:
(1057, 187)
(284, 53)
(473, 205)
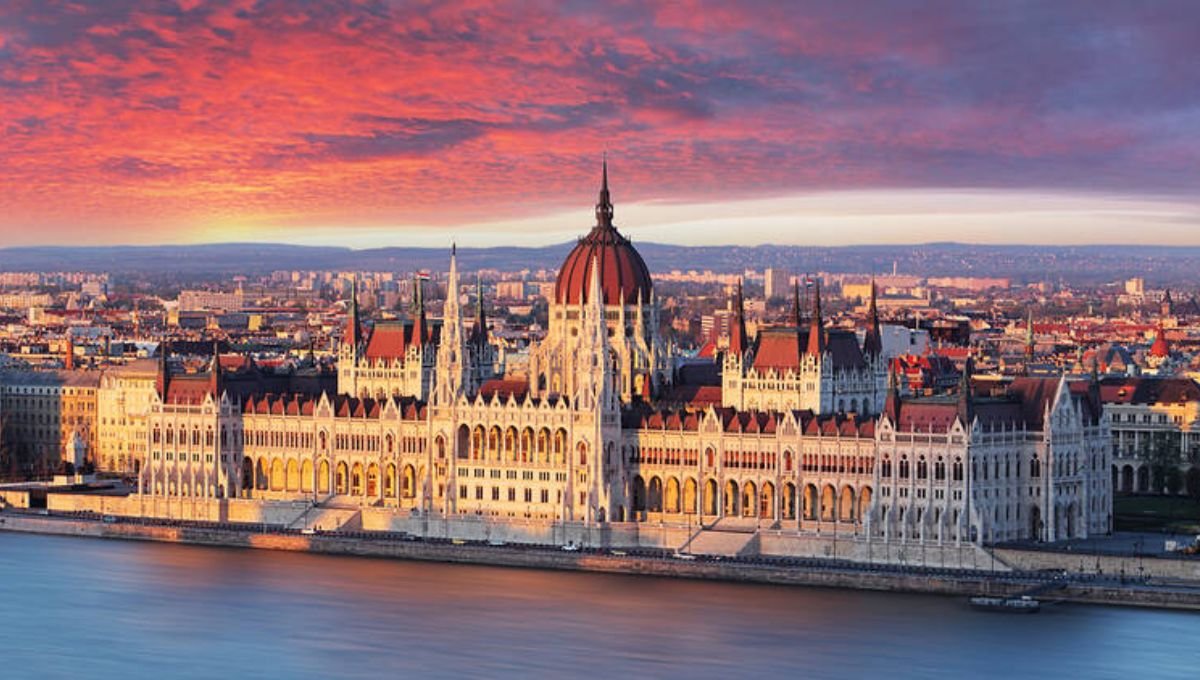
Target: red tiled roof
(504, 388)
(388, 341)
(1148, 390)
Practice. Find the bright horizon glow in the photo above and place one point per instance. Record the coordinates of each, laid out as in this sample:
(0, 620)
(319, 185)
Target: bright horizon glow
(984, 217)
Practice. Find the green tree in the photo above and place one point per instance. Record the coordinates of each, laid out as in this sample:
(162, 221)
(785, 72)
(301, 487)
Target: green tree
(1193, 483)
(1162, 450)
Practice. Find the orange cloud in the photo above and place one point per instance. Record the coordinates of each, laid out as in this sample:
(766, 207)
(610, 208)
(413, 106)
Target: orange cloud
(154, 122)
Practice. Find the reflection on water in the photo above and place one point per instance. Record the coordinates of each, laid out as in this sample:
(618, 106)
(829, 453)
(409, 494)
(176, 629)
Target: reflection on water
(90, 608)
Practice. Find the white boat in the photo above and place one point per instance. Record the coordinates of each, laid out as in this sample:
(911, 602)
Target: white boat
(1020, 605)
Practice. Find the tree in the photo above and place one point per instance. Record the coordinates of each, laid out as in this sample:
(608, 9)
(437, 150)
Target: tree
(1162, 450)
(1193, 483)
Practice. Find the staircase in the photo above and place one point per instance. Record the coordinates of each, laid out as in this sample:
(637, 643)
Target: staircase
(330, 515)
(727, 543)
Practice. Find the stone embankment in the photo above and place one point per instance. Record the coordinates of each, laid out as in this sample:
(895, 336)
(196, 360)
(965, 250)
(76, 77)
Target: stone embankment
(778, 571)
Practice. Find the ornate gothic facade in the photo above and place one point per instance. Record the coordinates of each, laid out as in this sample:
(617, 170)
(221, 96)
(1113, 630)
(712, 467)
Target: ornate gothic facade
(809, 437)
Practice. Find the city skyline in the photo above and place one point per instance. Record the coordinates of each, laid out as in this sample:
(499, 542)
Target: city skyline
(378, 125)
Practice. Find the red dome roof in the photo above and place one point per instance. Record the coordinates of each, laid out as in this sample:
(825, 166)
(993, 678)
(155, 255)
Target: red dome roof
(623, 273)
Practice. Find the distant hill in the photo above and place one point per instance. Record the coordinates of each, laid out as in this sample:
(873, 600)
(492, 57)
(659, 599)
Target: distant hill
(1176, 266)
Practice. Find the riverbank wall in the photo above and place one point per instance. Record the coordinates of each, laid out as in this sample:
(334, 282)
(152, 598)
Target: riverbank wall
(734, 537)
(885, 578)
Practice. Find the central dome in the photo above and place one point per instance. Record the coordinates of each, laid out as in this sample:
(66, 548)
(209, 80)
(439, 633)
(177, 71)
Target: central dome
(623, 274)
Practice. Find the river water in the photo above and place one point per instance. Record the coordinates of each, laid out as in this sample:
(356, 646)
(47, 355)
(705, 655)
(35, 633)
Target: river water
(89, 608)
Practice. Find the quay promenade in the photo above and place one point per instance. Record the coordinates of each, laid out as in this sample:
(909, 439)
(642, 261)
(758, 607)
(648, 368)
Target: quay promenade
(1053, 584)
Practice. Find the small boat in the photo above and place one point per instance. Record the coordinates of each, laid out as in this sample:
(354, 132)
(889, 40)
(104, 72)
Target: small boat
(1020, 605)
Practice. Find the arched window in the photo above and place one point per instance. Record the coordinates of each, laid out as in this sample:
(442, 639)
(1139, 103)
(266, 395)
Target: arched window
(885, 470)
(903, 467)
(958, 469)
(1035, 467)
(922, 468)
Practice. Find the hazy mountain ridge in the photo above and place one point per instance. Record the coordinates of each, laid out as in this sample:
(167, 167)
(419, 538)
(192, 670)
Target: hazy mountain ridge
(1080, 264)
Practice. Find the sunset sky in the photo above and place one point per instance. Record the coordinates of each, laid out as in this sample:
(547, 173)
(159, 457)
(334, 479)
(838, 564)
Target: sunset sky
(411, 123)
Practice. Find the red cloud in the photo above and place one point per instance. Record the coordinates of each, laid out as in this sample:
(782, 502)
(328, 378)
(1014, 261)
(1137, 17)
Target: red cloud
(155, 120)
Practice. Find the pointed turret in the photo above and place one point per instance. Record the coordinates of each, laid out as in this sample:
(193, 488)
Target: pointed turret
(451, 364)
(797, 318)
(816, 326)
(214, 371)
(738, 343)
(479, 333)
(420, 328)
(1029, 342)
(604, 208)
(1094, 399)
(965, 397)
(873, 342)
(163, 379)
(891, 405)
(597, 378)
(353, 332)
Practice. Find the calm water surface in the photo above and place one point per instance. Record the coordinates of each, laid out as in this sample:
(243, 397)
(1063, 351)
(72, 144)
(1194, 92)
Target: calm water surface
(85, 608)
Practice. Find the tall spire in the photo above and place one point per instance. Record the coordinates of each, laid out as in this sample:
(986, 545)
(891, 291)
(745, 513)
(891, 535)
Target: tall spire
(1029, 341)
(796, 313)
(873, 342)
(891, 405)
(452, 377)
(420, 334)
(738, 343)
(479, 330)
(965, 410)
(816, 326)
(604, 208)
(353, 334)
(214, 370)
(163, 379)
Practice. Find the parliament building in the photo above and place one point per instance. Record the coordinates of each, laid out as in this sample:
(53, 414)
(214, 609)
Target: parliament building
(810, 435)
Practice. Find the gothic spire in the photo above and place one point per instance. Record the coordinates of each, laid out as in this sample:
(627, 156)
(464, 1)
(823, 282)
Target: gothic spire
(163, 379)
(479, 331)
(604, 208)
(738, 343)
(891, 405)
(214, 370)
(353, 334)
(420, 334)
(873, 342)
(965, 410)
(816, 326)
(796, 313)
(1029, 341)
